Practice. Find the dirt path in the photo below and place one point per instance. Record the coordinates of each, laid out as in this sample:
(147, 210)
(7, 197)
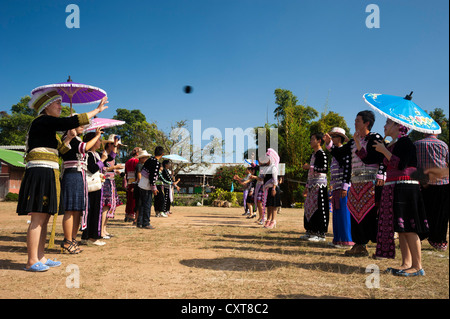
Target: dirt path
(206, 252)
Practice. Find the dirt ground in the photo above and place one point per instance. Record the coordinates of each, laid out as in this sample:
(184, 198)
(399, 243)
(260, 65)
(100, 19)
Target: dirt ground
(209, 253)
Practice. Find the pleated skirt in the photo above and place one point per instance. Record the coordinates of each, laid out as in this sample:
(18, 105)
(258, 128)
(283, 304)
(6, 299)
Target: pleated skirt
(39, 191)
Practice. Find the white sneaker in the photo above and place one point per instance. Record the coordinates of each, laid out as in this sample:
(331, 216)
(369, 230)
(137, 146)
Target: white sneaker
(163, 215)
(314, 238)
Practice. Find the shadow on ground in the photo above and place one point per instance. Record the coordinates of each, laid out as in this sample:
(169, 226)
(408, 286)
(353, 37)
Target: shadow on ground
(251, 264)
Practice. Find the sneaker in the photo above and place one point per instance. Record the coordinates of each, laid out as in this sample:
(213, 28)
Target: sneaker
(314, 238)
(163, 215)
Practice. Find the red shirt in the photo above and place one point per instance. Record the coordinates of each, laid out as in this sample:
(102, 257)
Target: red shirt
(130, 167)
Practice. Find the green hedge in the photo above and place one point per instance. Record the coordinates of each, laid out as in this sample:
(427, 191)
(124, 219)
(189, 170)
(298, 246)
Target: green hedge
(122, 196)
(235, 198)
(11, 197)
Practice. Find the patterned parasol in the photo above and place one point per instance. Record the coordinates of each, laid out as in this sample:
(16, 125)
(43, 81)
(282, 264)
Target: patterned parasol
(75, 93)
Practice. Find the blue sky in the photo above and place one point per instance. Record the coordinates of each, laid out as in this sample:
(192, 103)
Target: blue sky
(234, 53)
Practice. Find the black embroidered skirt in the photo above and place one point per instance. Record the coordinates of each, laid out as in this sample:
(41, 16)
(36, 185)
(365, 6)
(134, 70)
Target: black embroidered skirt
(39, 191)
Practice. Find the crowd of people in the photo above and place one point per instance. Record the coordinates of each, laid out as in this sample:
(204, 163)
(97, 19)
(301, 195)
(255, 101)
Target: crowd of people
(378, 189)
(261, 190)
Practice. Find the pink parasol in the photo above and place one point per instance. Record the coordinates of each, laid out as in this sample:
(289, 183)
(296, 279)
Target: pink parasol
(102, 123)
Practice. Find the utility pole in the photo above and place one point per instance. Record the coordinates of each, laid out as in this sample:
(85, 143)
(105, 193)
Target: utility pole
(203, 188)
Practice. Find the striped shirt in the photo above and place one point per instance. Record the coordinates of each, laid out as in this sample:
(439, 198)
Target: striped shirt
(432, 152)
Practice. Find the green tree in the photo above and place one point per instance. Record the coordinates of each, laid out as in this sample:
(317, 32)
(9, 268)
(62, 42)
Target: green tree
(329, 120)
(284, 99)
(136, 132)
(224, 177)
(14, 126)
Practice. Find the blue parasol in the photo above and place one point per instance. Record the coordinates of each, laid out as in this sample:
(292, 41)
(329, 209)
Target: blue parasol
(175, 158)
(250, 163)
(404, 111)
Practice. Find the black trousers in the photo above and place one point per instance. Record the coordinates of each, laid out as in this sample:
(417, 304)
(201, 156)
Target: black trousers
(167, 199)
(436, 200)
(159, 200)
(92, 230)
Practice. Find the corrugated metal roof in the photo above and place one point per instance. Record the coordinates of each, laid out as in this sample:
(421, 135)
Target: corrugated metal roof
(13, 158)
(212, 167)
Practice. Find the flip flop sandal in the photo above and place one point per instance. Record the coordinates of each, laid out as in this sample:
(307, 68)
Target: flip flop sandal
(52, 263)
(37, 267)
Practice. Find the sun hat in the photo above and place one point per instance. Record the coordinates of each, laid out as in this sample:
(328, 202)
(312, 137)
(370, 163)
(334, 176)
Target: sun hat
(339, 131)
(111, 140)
(143, 153)
(41, 99)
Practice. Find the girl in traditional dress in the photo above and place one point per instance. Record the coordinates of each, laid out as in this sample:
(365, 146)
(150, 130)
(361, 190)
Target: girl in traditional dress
(40, 188)
(258, 195)
(248, 185)
(317, 209)
(110, 198)
(342, 235)
(92, 232)
(74, 190)
(401, 209)
(168, 184)
(271, 197)
(130, 181)
(159, 200)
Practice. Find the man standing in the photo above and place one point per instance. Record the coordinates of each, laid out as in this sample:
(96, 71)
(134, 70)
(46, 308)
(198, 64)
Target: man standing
(147, 187)
(130, 180)
(366, 176)
(431, 153)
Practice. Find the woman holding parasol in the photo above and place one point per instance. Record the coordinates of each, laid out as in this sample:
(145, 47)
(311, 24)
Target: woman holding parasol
(40, 187)
(402, 209)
